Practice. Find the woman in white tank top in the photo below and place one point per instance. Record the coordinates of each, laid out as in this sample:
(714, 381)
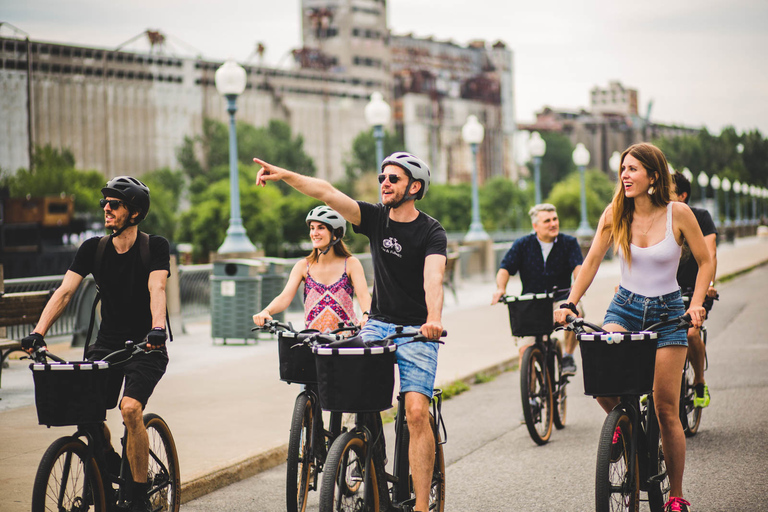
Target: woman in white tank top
(646, 230)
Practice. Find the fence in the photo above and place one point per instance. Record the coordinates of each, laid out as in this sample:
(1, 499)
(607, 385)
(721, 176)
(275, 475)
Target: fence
(195, 292)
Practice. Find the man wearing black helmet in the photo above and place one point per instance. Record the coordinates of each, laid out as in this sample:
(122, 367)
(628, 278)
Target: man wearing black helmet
(408, 249)
(132, 288)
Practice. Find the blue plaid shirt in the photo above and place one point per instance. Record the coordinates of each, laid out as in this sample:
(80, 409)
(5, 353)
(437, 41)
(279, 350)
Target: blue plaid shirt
(536, 275)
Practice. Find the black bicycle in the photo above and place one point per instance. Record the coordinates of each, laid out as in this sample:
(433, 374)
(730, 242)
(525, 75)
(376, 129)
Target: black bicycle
(543, 387)
(82, 472)
(309, 441)
(356, 478)
(690, 415)
(630, 458)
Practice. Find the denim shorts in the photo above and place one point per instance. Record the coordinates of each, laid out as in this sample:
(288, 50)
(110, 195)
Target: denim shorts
(417, 361)
(636, 312)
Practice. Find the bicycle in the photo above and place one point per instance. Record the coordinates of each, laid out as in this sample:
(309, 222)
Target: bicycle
(308, 441)
(82, 472)
(543, 387)
(690, 415)
(356, 478)
(630, 458)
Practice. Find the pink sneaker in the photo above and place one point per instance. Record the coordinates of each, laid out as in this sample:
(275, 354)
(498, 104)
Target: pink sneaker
(676, 504)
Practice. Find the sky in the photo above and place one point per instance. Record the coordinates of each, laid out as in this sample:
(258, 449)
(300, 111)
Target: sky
(700, 63)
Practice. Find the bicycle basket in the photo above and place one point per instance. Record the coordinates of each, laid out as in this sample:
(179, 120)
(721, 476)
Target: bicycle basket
(617, 364)
(355, 379)
(70, 393)
(297, 363)
(531, 314)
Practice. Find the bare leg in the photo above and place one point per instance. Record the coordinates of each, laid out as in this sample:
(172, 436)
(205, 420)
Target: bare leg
(666, 392)
(421, 451)
(696, 354)
(137, 445)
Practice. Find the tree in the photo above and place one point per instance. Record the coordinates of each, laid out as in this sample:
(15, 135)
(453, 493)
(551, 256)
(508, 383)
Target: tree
(504, 206)
(166, 188)
(566, 196)
(361, 160)
(557, 162)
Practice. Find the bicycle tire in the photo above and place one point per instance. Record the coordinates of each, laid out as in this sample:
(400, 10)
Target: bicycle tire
(617, 483)
(68, 479)
(690, 416)
(658, 478)
(437, 490)
(537, 401)
(299, 449)
(348, 485)
(164, 473)
(403, 488)
(560, 393)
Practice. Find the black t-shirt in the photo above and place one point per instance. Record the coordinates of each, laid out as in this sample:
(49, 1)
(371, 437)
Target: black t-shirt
(688, 269)
(398, 251)
(125, 312)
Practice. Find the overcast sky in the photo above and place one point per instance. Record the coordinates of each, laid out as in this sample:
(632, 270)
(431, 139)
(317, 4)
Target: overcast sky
(702, 62)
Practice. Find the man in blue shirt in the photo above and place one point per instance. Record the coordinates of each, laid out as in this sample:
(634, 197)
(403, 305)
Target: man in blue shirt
(545, 259)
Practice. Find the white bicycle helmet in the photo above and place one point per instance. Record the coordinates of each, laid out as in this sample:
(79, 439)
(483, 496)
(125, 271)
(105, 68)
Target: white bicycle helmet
(329, 216)
(414, 166)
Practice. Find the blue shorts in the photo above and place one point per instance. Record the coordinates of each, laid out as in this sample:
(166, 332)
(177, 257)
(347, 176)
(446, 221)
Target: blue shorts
(417, 362)
(636, 312)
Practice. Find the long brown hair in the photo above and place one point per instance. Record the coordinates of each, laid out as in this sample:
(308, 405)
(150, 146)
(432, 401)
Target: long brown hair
(339, 249)
(655, 164)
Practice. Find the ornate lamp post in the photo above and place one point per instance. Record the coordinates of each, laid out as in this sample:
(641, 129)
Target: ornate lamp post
(473, 132)
(737, 191)
(753, 193)
(703, 181)
(537, 147)
(377, 113)
(615, 161)
(230, 82)
(581, 159)
(726, 184)
(745, 193)
(688, 174)
(715, 182)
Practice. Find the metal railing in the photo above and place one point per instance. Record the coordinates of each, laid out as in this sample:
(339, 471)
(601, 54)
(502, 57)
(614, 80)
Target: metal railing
(195, 291)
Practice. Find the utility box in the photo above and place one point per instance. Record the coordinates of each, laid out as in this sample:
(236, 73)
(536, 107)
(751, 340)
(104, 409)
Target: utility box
(235, 297)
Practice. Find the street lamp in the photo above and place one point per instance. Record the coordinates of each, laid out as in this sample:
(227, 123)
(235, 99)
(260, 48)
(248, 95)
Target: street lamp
(537, 147)
(703, 181)
(581, 159)
(377, 114)
(472, 132)
(745, 193)
(753, 193)
(688, 174)
(615, 162)
(715, 182)
(726, 184)
(230, 82)
(737, 191)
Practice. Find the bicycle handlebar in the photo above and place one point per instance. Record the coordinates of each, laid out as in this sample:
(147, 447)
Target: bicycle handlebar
(553, 291)
(577, 325)
(336, 341)
(41, 354)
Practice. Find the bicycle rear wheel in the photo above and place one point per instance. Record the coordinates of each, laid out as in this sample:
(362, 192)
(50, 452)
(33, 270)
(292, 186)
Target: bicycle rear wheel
(536, 394)
(616, 473)
(68, 479)
(559, 391)
(690, 416)
(299, 461)
(658, 479)
(164, 474)
(348, 483)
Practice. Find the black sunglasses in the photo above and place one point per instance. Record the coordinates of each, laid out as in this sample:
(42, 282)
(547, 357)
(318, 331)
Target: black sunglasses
(393, 178)
(114, 204)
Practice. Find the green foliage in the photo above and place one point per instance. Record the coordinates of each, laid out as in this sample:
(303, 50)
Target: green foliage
(556, 163)
(566, 196)
(451, 205)
(166, 187)
(504, 206)
(455, 388)
(362, 158)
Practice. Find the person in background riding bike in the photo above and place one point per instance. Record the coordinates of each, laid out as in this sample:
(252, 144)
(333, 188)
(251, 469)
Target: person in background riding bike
(133, 307)
(409, 255)
(647, 230)
(325, 305)
(686, 278)
(546, 259)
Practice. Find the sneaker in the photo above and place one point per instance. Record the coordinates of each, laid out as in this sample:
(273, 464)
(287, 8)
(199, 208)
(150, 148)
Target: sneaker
(701, 399)
(569, 365)
(617, 450)
(677, 505)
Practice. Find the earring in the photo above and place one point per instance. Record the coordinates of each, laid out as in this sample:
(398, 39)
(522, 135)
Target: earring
(651, 190)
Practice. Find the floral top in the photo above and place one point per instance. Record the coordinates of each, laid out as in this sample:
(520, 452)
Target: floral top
(327, 305)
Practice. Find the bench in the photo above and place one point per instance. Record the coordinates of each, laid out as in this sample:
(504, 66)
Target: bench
(18, 309)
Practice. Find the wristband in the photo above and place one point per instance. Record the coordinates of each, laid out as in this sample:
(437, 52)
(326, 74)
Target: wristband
(571, 306)
(366, 313)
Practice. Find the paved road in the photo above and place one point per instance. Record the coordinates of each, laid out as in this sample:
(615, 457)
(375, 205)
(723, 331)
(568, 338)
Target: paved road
(492, 464)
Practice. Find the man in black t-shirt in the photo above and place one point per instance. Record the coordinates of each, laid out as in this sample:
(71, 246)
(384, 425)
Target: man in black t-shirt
(686, 278)
(408, 249)
(133, 308)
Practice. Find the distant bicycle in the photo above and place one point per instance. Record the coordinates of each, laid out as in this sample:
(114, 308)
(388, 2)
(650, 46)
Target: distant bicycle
(543, 387)
(630, 458)
(81, 472)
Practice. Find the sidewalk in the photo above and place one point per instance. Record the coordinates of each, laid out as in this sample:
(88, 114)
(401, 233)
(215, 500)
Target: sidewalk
(230, 413)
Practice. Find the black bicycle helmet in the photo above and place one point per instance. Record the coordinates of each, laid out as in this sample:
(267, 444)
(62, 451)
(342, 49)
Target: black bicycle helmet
(414, 166)
(132, 191)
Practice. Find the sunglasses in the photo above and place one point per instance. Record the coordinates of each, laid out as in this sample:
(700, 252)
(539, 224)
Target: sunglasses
(114, 204)
(393, 178)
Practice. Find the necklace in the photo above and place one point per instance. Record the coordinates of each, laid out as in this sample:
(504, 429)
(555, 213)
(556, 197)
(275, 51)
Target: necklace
(653, 220)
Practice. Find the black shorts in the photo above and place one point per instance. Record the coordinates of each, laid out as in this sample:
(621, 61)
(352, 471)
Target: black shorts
(141, 373)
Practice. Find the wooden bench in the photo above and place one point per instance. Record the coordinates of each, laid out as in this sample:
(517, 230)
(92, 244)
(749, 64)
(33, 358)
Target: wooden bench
(18, 309)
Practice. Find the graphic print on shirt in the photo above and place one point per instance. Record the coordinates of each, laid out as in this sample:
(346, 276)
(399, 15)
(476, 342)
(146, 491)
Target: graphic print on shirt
(390, 246)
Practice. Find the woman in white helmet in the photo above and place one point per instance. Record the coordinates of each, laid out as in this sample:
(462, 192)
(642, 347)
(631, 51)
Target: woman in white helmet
(331, 276)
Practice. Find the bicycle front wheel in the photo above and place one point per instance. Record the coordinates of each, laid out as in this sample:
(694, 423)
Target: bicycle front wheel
(690, 416)
(348, 483)
(299, 462)
(559, 393)
(616, 476)
(163, 475)
(536, 394)
(437, 491)
(658, 478)
(68, 479)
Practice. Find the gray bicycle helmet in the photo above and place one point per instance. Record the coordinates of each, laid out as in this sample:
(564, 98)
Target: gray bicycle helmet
(130, 190)
(414, 166)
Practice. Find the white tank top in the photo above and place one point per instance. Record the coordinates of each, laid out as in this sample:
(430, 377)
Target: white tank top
(654, 269)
